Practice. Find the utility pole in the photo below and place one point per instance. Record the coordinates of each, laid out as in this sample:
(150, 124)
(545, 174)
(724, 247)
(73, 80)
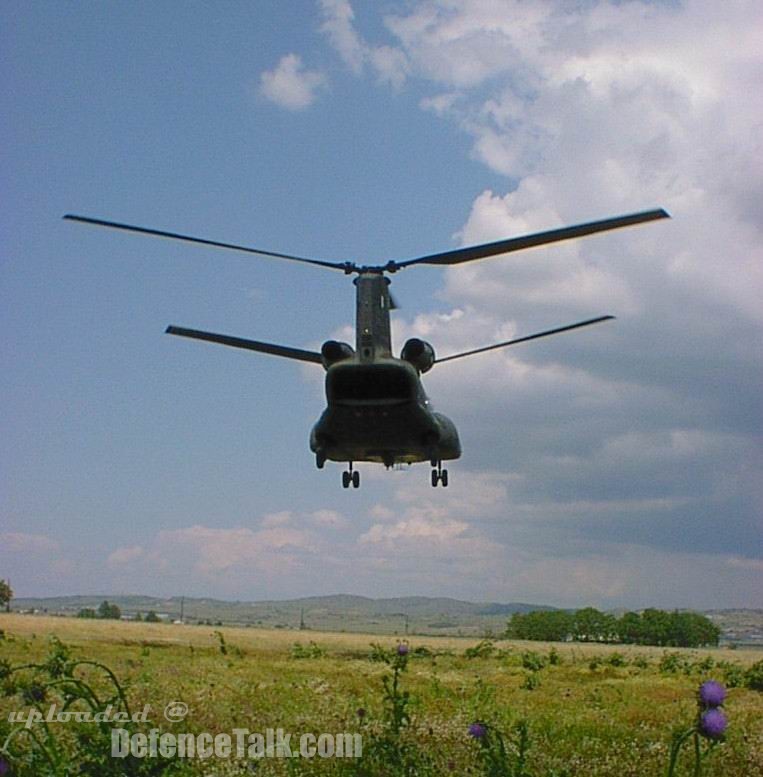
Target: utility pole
(182, 608)
(404, 616)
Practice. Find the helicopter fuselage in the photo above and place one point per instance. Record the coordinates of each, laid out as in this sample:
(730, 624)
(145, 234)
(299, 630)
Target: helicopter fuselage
(377, 408)
(378, 411)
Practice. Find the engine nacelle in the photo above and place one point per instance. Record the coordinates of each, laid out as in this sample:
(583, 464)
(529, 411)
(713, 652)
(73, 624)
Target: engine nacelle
(333, 352)
(419, 353)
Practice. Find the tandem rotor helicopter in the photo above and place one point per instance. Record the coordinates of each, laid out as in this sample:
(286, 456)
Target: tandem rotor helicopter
(377, 409)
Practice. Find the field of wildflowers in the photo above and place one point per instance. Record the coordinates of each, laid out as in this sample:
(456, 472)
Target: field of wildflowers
(424, 706)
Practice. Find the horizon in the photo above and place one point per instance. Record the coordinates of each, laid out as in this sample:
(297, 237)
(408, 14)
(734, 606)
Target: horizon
(177, 597)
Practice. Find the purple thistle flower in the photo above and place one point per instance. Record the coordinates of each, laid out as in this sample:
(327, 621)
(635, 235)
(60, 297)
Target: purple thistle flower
(477, 730)
(361, 713)
(711, 694)
(402, 649)
(5, 767)
(712, 724)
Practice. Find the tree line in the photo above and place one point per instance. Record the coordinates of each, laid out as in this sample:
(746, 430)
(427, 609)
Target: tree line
(105, 610)
(109, 611)
(650, 627)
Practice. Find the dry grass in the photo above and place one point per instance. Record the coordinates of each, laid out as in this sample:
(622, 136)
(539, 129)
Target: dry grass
(586, 717)
(80, 631)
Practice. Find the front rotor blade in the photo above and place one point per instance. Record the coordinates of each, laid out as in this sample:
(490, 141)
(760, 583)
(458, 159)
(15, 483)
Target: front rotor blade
(537, 239)
(188, 239)
(525, 339)
(251, 345)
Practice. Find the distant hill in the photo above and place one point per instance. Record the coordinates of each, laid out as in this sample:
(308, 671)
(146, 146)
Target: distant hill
(342, 612)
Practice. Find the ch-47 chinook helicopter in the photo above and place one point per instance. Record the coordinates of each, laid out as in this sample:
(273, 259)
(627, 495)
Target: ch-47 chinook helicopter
(377, 409)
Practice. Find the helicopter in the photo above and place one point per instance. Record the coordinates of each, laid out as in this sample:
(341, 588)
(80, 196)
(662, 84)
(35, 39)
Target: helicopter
(377, 409)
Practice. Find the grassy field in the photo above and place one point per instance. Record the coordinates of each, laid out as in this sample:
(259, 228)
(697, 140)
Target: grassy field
(588, 709)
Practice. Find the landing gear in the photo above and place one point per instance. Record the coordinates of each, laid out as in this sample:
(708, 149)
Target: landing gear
(351, 476)
(439, 475)
(320, 459)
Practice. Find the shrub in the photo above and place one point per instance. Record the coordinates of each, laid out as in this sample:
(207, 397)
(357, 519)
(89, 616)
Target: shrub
(733, 674)
(311, 650)
(617, 659)
(532, 681)
(482, 649)
(378, 653)
(533, 661)
(670, 663)
(754, 676)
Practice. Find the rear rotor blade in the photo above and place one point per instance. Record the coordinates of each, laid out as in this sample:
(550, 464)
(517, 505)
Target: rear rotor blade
(188, 239)
(251, 345)
(537, 239)
(525, 339)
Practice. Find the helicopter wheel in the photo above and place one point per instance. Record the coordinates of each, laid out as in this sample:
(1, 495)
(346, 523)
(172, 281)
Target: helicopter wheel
(439, 475)
(351, 476)
(320, 459)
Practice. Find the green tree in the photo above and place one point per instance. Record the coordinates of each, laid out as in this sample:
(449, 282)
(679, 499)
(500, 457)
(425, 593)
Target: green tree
(152, 617)
(87, 612)
(629, 628)
(545, 625)
(656, 627)
(6, 594)
(109, 611)
(690, 629)
(592, 625)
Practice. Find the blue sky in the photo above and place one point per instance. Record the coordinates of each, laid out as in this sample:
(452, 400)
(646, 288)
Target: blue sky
(617, 466)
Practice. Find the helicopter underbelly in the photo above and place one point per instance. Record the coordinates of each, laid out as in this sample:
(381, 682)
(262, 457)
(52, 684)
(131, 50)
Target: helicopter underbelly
(391, 434)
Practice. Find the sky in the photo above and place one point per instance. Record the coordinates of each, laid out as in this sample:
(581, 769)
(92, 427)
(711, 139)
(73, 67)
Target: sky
(615, 466)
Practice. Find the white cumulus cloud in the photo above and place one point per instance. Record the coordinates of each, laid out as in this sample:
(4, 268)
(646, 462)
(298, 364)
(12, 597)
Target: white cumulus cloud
(390, 63)
(290, 85)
